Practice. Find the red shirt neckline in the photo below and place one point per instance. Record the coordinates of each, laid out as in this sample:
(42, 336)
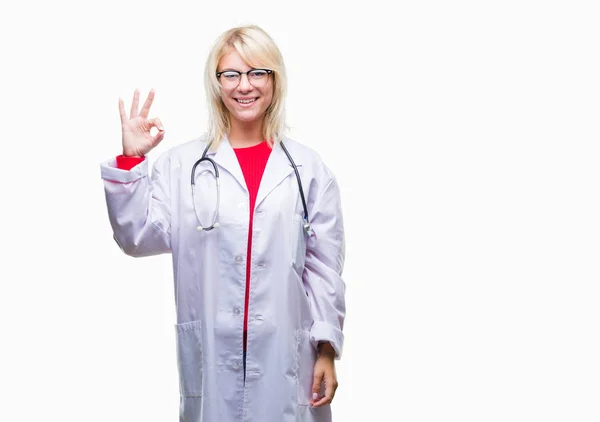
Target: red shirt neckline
(253, 147)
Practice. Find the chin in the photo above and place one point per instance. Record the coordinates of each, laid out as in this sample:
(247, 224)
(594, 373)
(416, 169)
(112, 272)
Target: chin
(247, 117)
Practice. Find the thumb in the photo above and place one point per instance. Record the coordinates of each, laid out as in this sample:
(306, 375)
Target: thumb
(317, 380)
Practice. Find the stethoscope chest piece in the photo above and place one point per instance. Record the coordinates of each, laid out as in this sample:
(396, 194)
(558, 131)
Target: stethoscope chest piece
(216, 225)
(308, 230)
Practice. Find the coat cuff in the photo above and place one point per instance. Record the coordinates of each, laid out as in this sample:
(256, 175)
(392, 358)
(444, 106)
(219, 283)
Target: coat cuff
(322, 331)
(127, 163)
(110, 171)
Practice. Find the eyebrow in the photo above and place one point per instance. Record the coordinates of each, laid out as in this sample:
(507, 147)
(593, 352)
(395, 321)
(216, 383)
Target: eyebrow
(234, 70)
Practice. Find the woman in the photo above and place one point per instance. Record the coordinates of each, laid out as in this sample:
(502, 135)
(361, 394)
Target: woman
(258, 287)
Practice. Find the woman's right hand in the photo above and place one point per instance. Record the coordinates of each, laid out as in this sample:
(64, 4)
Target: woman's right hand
(137, 140)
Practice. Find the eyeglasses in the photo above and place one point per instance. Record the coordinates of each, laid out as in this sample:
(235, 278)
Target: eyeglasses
(231, 78)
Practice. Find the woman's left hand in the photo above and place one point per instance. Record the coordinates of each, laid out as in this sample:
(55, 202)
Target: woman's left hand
(324, 371)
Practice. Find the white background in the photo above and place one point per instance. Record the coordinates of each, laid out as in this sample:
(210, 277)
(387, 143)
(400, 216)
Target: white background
(465, 139)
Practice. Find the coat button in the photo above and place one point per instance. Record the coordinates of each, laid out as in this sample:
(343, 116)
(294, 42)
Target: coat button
(237, 310)
(261, 265)
(239, 258)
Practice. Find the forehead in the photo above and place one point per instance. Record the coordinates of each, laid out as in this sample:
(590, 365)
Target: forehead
(233, 60)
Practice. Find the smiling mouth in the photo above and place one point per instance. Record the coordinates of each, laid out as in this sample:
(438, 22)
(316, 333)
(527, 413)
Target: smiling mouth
(246, 101)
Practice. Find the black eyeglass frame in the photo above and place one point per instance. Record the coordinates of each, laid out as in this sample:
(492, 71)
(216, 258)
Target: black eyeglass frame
(269, 72)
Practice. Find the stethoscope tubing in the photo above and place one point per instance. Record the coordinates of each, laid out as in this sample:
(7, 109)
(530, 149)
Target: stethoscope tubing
(307, 226)
(215, 223)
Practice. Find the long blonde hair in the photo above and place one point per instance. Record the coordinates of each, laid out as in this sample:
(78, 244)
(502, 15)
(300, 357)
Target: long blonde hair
(258, 50)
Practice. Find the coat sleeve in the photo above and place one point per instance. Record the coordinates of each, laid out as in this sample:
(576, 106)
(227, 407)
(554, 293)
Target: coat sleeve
(324, 263)
(138, 206)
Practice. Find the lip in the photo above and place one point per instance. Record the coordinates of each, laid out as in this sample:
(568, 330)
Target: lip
(246, 105)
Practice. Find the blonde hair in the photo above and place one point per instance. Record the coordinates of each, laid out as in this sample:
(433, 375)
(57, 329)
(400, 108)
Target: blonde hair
(258, 50)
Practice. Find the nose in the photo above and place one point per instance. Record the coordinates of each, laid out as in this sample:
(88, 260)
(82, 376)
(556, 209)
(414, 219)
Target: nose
(244, 85)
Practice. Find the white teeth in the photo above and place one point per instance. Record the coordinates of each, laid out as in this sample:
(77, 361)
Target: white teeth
(246, 101)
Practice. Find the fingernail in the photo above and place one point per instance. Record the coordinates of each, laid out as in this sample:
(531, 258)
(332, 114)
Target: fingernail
(315, 396)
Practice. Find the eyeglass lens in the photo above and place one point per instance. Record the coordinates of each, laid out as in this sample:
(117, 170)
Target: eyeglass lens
(257, 77)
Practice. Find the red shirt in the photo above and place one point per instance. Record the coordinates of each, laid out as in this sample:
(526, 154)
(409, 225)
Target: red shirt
(253, 161)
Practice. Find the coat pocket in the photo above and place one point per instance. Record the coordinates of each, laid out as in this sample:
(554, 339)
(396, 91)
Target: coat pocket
(306, 357)
(189, 358)
(298, 244)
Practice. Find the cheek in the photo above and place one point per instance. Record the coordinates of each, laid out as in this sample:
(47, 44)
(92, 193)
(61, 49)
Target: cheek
(268, 99)
(228, 102)
(225, 97)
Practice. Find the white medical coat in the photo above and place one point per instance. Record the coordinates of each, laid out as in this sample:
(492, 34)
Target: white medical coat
(296, 289)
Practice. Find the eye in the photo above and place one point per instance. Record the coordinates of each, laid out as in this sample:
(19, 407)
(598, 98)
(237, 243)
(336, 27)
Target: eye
(257, 73)
(230, 75)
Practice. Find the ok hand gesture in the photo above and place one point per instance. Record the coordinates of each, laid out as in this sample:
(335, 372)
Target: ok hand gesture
(137, 140)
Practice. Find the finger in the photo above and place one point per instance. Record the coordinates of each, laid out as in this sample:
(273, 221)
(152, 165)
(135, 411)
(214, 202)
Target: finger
(157, 138)
(155, 122)
(323, 401)
(146, 107)
(122, 111)
(330, 387)
(161, 131)
(134, 104)
(316, 387)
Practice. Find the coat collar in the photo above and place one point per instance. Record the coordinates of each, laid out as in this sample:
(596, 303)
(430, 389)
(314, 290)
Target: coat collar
(225, 158)
(278, 167)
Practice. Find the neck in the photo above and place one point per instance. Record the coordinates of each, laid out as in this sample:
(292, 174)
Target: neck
(245, 134)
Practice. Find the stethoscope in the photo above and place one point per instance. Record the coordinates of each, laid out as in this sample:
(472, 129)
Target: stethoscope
(215, 224)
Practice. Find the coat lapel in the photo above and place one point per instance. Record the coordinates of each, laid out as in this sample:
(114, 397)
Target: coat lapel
(225, 157)
(277, 169)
